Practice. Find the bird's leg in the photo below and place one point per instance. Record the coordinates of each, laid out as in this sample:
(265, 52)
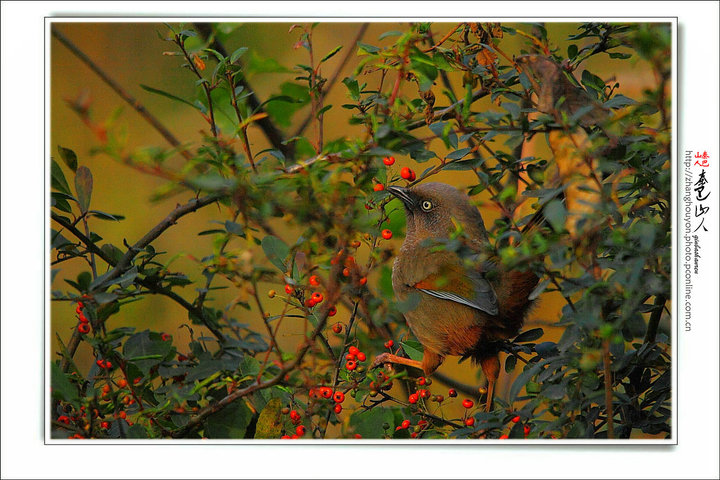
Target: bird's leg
(430, 362)
(390, 358)
(491, 369)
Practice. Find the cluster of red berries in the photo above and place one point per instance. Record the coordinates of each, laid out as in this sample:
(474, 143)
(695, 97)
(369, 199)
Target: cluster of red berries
(405, 172)
(421, 425)
(389, 344)
(107, 364)
(295, 418)
(84, 324)
(326, 392)
(422, 393)
(353, 357)
(383, 383)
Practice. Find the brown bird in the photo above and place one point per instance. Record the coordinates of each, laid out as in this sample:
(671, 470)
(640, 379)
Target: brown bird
(461, 310)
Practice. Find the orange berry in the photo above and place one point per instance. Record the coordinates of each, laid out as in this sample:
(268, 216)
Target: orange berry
(339, 397)
(379, 187)
(289, 290)
(407, 174)
(317, 297)
(122, 383)
(387, 234)
(388, 161)
(346, 272)
(353, 350)
(122, 414)
(361, 357)
(389, 344)
(337, 328)
(351, 365)
(83, 328)
(332, 311)
(363, 281)
(469, 422)
(314, 280)
(350, 356)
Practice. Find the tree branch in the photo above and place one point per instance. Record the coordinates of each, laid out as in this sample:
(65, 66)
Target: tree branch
(150, 118)
(272, 133)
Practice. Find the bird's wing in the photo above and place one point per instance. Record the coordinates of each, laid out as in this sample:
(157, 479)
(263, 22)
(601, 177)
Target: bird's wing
(452, 282)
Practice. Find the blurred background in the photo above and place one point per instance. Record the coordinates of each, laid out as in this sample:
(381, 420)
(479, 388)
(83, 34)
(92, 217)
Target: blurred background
(132, 53)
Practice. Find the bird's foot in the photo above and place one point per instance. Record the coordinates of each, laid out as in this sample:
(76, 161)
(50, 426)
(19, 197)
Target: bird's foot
(381, 359)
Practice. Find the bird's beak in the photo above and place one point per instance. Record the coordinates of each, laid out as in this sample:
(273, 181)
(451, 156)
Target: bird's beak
(403, 194)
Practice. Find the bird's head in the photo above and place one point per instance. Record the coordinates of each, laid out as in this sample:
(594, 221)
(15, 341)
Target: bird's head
(433, 208)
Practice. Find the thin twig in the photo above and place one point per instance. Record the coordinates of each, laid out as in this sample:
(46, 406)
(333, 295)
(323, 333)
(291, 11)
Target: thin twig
(333, 79)
(150, 118)
(272, 133)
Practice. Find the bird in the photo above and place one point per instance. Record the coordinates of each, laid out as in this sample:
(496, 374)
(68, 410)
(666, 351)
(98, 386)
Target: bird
(461, 310)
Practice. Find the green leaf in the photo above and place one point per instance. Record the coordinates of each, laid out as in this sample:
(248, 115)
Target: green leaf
(619, 101)
(168, 95)
(276, 251)
(68, 157)
(61, 387)
(539, 289)
(269, 424)
(369, 423)
(331, 53)
(529, 335)
(413, 349)
(57, 179)
(458, 154)
(365, 48)
(556, 214)
(146, 349)
(230, 422)
(572, 51)
(237, 54)
(391, 33)
(83, 187)
(523, 378)
(106, 216)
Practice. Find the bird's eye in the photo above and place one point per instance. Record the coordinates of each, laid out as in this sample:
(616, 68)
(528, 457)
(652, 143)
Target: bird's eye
(426, 205)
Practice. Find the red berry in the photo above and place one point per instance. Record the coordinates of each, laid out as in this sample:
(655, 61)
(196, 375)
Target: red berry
(516, 419)
(413, 435)
(467, 403)
(361, 357)
(78, 310)
(317, 297)
(405, 424)
(424, 393)
(136, 381)
(388, 161)
(100, 363)
(122, 383)
(332, 311)
(357, 435)
(165, 337)
(294, 414)
(326, 392)
(387, 234)
(452, 393)
(526, 430)
(105, 425)
(351, 365)
(81, 305)
(503, 437)
(353, 350)
(421, 381)
(314, 280)
(407, 174)
(108, 364)
(122, 414)
(337, 408)
(339, 397)
(64, 419)
(285, 437)
(289, 290)
(350, 356)
(83, 328)
(413, 398)
(389, 344)
(310, 303)
(337, 328)
(379, 187)
(300, 430)
(469, 422)
(346, 272)
(363, 281)
(295, 436)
